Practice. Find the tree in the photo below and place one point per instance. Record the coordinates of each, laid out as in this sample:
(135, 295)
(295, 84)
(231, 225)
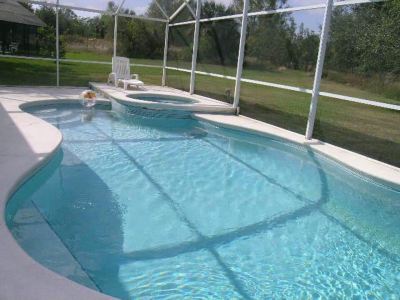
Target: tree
(219, 41)
(268, 39)
(46, 38)
(365, 39)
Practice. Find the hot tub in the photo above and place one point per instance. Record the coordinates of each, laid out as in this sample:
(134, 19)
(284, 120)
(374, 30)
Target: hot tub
(163, 98)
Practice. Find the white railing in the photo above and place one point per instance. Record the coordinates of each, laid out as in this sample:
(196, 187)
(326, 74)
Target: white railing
(295, 89)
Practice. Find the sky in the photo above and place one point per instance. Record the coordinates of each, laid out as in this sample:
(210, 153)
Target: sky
(312, 19)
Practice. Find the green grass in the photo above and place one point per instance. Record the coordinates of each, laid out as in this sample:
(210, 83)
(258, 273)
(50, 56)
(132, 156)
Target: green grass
(298, 79)
(27, 72)
(88, 56)
(365, 129)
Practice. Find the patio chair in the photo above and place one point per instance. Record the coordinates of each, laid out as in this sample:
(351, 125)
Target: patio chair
(121, 73)
(14, 47)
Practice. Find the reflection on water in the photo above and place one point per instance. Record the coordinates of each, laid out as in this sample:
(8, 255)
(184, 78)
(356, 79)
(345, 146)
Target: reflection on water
(87, 114)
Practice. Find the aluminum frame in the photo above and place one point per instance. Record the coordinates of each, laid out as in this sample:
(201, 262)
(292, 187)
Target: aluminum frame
(164, 71)
(242, 43)
(319, 68)
(57, 44)
(315, 92)
(195, 47)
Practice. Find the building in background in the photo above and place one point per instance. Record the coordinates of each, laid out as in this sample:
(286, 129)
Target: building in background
(18, 28)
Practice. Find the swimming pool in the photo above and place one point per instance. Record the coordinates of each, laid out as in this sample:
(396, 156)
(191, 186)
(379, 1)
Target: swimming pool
(141, 206)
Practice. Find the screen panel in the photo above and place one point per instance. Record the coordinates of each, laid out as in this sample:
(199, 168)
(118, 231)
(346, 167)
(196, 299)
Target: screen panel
(178, 79)
(267, 5)
(363, 56)
(217, 53)
(280, 49)
(180, 49)
(217, 88)
(362, 61)
(86, 36)
(141, 41)
(283, 108)
(368, 130)
(218, 8)
(80, 74)
(180, 46)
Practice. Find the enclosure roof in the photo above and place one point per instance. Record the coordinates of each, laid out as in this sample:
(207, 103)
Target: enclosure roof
(14, 12)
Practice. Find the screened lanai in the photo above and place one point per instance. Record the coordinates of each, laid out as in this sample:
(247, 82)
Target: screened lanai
(199, 149)
(324, 69)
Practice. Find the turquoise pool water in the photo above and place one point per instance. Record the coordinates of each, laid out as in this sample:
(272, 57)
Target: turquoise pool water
(142, 207)
(164, 99)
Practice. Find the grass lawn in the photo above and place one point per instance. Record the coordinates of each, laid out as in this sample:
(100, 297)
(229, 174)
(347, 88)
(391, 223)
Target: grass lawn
(368, 130)
(294, 78)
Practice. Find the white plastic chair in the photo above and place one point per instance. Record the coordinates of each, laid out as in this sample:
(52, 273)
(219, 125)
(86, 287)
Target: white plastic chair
(121, 73)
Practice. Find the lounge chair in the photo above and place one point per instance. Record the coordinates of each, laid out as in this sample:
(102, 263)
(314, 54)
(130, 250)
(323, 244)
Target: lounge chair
(14, 47)
(121, 73)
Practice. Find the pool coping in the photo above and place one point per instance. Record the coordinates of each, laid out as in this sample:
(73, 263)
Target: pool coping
(21, 277)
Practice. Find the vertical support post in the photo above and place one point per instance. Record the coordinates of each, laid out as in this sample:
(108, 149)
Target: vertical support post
(57, 44)
(116, 27)
(242, 44)
(115, 34)
(195, 47)
(164, 71)
(319, 68)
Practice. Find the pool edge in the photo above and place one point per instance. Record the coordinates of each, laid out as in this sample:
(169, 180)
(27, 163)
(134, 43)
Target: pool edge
(21, 277)
(382, 172)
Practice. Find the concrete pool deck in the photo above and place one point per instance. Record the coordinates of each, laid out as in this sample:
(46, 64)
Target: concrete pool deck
(27, 142)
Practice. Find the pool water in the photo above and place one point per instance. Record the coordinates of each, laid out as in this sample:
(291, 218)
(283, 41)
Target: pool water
(164, 99)
(142, 207)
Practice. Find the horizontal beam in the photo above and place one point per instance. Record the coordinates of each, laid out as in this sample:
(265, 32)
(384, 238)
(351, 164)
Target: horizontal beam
(297, 89)
(287, 10)
(98, 11)
(361, 101)
(143, 18)
(351, 2)
(104, 63)
(48, 4)
(278, 11)
(27, 57)
(178, 69)
(146, 66)
(182, 23)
